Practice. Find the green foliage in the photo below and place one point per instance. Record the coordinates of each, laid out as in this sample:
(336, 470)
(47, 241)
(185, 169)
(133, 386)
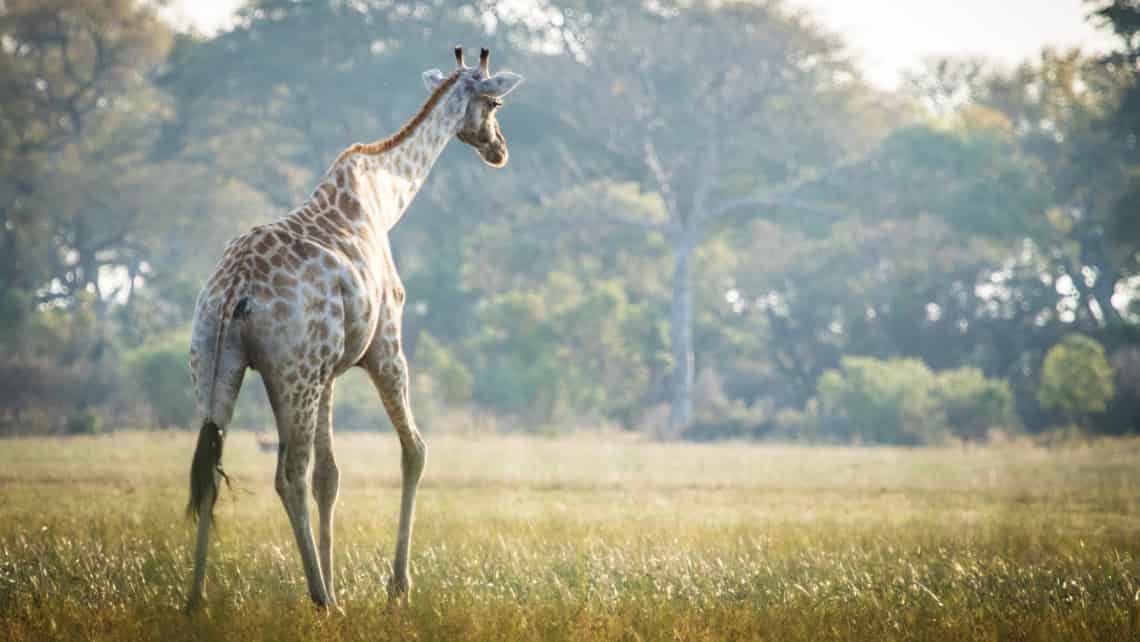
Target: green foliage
(453, 380)
(974, 404)
(356, 404)
(159, 369)
(881, 402)
(78, 110)
(1076, 378)
(718, 417)
(792, 424)
(974, 180)
(568, 351)
(969, 224)
(84, 422)
(901, 401)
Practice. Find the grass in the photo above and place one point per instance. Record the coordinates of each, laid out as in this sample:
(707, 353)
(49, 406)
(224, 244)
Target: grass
(584, 538)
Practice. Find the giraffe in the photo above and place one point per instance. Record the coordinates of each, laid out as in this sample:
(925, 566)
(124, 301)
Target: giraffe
(303, 299)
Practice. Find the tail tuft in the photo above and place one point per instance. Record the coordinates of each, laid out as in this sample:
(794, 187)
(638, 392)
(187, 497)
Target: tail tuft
(207, 457)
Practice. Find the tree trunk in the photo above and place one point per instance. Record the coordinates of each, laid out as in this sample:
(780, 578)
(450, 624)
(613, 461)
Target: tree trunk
(1102, 291)
(1094, 254)
(681, 335)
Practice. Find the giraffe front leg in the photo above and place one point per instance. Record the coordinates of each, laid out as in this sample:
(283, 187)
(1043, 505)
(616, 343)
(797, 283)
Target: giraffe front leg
(326, 483)
(391, 380)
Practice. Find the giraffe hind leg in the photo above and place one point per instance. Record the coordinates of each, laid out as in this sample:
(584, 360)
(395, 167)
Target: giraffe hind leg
(296, 425)
(326, 483)
(205, 470)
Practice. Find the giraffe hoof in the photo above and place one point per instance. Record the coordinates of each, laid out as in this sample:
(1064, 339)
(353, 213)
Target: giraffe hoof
(328, 606)
(398, 589)
(191, 605)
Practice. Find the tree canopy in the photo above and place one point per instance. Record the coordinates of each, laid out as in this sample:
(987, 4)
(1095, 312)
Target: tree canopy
(711, 225)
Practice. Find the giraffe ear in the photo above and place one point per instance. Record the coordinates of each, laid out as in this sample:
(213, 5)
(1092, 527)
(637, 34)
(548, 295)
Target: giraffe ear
(432, 78)
(499, 85)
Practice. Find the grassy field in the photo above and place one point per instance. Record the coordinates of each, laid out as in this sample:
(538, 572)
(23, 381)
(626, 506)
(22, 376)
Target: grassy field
(594, 537)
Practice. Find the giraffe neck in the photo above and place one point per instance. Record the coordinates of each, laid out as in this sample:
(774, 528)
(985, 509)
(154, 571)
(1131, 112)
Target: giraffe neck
(386, 177)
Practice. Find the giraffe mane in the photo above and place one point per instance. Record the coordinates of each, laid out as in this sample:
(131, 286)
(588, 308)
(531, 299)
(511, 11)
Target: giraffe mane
(409, 127)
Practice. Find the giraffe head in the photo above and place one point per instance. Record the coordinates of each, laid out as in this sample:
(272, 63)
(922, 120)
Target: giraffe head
(479, 94)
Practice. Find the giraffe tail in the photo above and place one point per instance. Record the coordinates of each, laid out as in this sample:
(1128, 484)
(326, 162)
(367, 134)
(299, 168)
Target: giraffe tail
(226, 366)
(206, 463)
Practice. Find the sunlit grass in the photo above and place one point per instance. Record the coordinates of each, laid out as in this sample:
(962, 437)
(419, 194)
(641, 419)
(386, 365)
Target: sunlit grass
(594, 537)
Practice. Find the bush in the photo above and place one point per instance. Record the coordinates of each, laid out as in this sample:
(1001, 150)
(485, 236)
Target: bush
(901, 401)
(719, 417)
(357, 404)
(792, 424)
(160, 370)
(1076, 379)
(881, 402)
(451, 380)
(974, 405)
(739, 423)
(84, 422)
(37, 394)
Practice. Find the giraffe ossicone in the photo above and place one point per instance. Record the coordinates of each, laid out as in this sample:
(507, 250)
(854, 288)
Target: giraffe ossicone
(304, 298)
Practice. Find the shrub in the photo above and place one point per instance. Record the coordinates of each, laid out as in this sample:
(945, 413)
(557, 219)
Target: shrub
(160, 370)
(84, 422)
(719, 417)
(452, 381)
(881, 402)
(1076, 378)
(37, 395)
(792, 424)
(901, 401)
(973, 405)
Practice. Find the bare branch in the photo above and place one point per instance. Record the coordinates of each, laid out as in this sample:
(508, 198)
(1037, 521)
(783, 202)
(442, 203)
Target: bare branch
(568, 159)
(785, 196)
(771, 201)
(594, 221)
(653, 162)
(707, 173)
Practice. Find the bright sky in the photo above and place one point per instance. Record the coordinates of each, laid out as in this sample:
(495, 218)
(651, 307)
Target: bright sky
(887, 35)
(890, 36)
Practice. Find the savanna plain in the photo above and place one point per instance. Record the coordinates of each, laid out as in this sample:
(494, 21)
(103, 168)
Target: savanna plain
(596, 536)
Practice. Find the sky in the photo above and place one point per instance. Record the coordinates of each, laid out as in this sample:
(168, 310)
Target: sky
(887, 36)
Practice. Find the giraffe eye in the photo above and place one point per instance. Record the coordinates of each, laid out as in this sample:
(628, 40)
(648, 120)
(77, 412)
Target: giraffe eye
(495, 103)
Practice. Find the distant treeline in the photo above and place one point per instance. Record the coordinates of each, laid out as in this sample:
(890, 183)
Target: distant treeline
(711, 225)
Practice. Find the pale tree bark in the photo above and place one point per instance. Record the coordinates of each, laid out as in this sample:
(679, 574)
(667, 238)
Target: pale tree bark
(681, 333)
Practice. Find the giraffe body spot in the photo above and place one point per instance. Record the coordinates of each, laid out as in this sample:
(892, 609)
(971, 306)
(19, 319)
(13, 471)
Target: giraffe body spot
(283, 281)
(281, 311)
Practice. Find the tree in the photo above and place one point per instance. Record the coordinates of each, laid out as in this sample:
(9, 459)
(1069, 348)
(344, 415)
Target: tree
(1123, 17)
(1076, 378)
(74, 74)
(726, 126)
(1061, 106)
